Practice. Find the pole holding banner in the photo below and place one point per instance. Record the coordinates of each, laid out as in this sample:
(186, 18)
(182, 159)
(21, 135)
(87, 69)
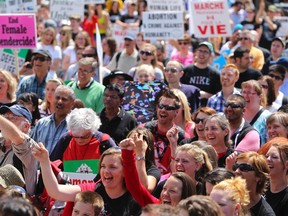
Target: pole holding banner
(16, 63)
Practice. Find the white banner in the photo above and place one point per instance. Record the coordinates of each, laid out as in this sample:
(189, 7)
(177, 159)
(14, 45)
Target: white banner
(162, 25)
(65, 8)
(209, 18)
(21, 6)
(94, 1)
(165, 5)
(118, 34)
(283, 30)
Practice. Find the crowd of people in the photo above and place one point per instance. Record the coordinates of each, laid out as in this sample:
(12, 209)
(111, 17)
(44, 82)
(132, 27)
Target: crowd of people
(160, 128)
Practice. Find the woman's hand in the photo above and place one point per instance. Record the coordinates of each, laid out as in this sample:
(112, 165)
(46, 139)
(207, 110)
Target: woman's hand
(40, 153)
(230, 160)
(140, 144)
(127, 144)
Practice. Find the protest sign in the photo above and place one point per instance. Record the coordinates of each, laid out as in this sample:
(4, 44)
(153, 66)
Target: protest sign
(118, 34)
(3, 7)
(165, 5)
(162, 25)
(7, 59)
(81, 171)
(18, 31)
(94, 1)
(283, 29)
(63, 9)
(21, 6)
(209, 18)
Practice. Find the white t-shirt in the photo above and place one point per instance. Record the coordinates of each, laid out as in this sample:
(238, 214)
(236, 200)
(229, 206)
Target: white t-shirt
(70, 51)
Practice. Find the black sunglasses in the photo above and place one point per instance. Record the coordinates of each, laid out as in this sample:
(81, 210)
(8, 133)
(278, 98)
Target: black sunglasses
(167, 107)
(244, 38)
(40, 58)
(243, 167)
(198, 120)
(88, 55)
(233, 105)
(275, 76)
(184, 43)
(147, 53)
(172, 70)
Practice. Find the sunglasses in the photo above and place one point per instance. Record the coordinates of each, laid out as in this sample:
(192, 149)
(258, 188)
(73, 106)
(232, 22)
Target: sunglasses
(275, 76)
(233, 105)
(88, 55)
(198, 120)
(167, 107)
(40, 58)
(172, 70)
(147, 53)
(184, 43)
(243, 167)
(244, 38)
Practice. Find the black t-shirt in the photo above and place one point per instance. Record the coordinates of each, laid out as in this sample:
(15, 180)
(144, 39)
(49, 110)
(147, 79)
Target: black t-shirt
(262, 208)
(249, 74)
(278, 201)
(129, 19)
(121, 206)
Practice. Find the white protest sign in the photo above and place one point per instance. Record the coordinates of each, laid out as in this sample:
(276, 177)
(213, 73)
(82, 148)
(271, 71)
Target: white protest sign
(3, 7)
(19, 6)
(118, 34)
(209, 18)
(63, 9)
(80, 178)
(283, 30)
(7, 59)
(162, 25)
(165, 5)
(94, 1)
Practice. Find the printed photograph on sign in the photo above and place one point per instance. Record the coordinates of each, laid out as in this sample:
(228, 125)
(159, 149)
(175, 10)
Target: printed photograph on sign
(212, 18)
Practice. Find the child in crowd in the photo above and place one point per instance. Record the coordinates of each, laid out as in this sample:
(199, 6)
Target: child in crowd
(88, 203)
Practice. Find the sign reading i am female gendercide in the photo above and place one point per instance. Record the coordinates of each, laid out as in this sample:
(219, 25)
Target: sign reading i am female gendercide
(17, 31)
(209, 18)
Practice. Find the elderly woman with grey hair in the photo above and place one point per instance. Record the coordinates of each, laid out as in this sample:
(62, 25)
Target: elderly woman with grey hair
(83, 140)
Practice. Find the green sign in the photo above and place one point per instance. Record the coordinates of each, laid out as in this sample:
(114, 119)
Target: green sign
(81, 166)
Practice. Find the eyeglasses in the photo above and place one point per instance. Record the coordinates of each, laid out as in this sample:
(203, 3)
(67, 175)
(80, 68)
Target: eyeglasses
(203, 52)
(82, 137)
(147, 53)
(40, 58)
(275, 76)
(243, 167)
(172, 70)
(167, 107)
(264, 86)
(11, 117)
(114, 97)
(182, 43)
(244, 38)
(198, 120)
(248, 93)
(88, 55)
(233, 105)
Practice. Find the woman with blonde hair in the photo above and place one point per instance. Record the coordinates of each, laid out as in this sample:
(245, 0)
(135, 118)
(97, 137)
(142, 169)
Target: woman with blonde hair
(148, 56)
(255, 113)
(82, 40)
(232, 196)
(8, 85)
(48, 105)
(183, 118)
(65, 37)
(184, 55)
(49, 42)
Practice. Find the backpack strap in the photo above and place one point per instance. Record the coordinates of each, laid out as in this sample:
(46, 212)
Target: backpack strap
(256, 116)
(117, 58)
(103, 138)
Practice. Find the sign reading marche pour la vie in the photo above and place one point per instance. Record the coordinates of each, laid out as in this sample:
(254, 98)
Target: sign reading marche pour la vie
(17, 31)
(81, 171)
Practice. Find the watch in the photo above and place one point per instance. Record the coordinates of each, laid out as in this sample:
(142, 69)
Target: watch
(138, 158)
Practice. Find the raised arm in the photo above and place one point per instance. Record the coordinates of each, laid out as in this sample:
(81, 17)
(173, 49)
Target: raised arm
(55, 190)
(172, 135)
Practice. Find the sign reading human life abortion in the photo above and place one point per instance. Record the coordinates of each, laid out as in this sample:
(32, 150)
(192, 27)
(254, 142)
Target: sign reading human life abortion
(17, 31)
(209, 18)
(165, 5)
(162, 25)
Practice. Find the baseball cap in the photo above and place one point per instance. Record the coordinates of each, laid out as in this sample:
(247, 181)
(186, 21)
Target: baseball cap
(208, 45)
(272, 8)
(281, 61)
(9, 175)
(129, 36)
(43, 52)
(279, 39)
(237, 27)
(17, 110)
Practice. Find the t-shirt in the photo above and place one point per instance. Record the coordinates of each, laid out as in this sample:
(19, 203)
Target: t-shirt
(278, 201)
(249, 74)
(262, 208)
